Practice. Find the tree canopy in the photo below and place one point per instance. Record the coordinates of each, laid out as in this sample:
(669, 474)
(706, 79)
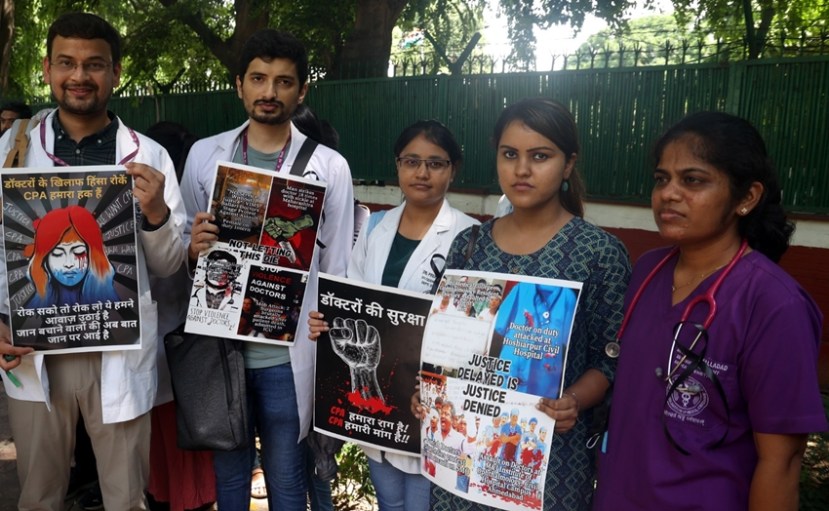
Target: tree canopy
(650, 40)
(763, 27)
(173, 43)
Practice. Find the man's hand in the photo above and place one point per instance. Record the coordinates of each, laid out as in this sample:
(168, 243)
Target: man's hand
(203, 234)
(148, 189)
(7, 349)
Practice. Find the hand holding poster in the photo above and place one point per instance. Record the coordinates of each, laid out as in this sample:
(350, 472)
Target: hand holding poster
(250, 284)
(493, 345)
(70, 252)
(367, 364)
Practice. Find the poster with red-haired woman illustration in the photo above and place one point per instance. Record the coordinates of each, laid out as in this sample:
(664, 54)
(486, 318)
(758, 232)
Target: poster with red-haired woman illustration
(70, 256)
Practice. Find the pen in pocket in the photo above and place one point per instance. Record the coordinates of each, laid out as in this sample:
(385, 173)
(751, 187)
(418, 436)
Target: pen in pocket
(10, 375)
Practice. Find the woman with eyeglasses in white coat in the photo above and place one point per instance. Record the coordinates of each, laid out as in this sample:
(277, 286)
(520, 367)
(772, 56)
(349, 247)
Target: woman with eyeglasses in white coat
(406, 247)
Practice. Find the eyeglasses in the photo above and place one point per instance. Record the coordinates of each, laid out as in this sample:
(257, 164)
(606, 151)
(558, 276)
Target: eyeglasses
(412, 164)
(69, 66)
(689, 356)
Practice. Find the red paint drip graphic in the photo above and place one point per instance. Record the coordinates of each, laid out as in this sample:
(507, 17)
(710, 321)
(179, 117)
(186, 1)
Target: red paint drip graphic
(372, 404)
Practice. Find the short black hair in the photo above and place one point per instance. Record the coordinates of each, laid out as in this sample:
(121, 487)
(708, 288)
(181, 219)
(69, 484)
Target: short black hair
(176, 139)
(436, 133)
(268, 44)
(307, 122)
(83, 25)
(22, 109)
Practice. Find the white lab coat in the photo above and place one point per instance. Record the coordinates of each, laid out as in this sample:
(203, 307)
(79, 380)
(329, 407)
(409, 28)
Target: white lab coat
(128, 378)
(334, 237)
(369, 259)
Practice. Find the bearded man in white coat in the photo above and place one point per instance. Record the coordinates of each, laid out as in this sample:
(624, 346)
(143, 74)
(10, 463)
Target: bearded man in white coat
(272, 82)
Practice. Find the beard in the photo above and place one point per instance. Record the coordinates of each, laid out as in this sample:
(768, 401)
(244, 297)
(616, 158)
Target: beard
(281, 116)
(88, 106)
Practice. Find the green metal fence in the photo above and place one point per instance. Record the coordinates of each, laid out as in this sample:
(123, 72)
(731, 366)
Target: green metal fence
(620, 113)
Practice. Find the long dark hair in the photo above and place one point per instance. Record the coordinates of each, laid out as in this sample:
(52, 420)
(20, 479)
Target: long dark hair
(552, 120)
(735, 147)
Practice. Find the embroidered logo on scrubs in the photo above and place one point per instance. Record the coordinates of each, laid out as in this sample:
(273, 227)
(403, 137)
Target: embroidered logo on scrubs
(690, 399)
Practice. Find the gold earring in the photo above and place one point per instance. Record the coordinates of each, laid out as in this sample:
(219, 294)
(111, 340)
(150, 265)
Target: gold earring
(744, 211)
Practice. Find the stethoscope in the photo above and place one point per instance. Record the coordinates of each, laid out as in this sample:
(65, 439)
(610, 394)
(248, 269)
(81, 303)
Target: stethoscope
(688, 354)
(613, 348)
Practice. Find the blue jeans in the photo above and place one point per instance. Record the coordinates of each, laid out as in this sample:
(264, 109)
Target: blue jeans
(272, 409)
(319, 491)
(397, 490)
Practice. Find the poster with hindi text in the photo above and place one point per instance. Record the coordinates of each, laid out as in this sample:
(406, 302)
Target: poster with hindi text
(493, 345)
(367, 364)
(251, 283)
(70, 258)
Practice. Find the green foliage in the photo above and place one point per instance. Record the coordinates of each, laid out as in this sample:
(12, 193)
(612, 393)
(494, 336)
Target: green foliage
(651, 40)
(450, 22)
(523, 15)
(814, 475)
(352, 485)
(771, 28)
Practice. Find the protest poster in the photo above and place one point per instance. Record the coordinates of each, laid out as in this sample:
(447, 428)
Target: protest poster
(367, 363)
(70, 254)
(492, 346)
(250, 284)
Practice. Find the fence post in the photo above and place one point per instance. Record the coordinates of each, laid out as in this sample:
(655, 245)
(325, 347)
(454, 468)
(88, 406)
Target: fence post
(736, 77)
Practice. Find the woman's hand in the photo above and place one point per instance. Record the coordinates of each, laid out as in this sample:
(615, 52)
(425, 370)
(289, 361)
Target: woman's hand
(585, 393)
(317, 324)
(418, 410)
(565, 411)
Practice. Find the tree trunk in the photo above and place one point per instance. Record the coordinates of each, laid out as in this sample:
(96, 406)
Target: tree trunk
(6, 32)
(766, 16)
(756, 36)
(367, 48)
(251, 15)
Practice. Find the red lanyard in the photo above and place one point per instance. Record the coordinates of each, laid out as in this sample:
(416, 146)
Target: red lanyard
(60, 163)
(279, 159)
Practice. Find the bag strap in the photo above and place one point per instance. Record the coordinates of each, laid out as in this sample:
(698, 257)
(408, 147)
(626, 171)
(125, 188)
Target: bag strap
(17, 155)
(304, 156)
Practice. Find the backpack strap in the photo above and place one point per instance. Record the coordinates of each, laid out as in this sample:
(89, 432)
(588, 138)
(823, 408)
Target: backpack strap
(20, 134)
(304, 156)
